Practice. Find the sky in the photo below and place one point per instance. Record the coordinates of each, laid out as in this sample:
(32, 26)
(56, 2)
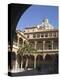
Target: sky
(35, 14)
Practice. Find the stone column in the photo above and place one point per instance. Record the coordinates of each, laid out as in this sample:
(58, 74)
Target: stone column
(35, 62)
(21, 63)
(44, 56)
(44, 35)
(26, 63)
(16, 65)
(52, 44)
(35, 44)
(43, 45)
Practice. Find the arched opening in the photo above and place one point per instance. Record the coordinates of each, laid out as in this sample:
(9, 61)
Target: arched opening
(20, 41)
(56, 58)
(55, 63)
(25, 42)
(31, 61)
(56, 66)
(48, 58)
(51, 63)
(39, 62)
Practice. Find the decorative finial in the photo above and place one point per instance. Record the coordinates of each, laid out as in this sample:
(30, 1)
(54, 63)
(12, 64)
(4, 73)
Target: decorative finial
(45, 20)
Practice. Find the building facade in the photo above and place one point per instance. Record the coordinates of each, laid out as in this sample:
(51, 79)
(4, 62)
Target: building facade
(44, 38)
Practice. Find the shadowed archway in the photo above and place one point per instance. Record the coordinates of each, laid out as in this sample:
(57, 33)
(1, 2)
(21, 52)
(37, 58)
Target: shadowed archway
(15, 11)
(39, 62)
(48, 57)
(20, 41)
(31, 61)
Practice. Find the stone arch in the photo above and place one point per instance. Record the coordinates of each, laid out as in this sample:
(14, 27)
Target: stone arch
(40, 57)
(20, 41)
(56, 65)
(39, 61)
(31, 61)
(48, 62)
(51, 63)
(25, 42)
(16, 11)
(55, 57)
(48, 57)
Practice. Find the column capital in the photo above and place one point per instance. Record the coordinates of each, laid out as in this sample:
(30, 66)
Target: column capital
(35, 55)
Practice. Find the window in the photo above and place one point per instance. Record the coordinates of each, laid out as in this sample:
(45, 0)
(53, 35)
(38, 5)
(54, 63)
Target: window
(42, 35)
(49, 46)
(38, 35)
(46, 35)
(34, 35)
(50, 34)
(54, 34)
(27, 36)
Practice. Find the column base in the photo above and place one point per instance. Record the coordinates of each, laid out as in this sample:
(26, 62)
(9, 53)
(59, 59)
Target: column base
(16, 70)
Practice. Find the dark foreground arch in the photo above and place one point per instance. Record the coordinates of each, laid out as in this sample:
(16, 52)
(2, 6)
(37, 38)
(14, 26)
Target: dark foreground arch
(15, 11)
